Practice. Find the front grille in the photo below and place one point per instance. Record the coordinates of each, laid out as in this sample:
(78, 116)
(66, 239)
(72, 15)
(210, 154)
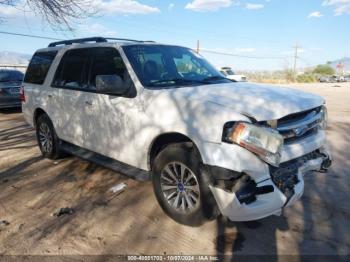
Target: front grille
(296, 116)
(298, 126)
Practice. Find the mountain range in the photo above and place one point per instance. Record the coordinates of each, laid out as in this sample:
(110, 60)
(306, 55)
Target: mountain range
(345, 61)
(7, 57)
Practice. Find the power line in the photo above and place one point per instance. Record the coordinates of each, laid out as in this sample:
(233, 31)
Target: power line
(26, 35)
(238, 55)
(201, 50)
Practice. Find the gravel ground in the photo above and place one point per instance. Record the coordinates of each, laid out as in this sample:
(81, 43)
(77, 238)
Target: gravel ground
(32, 189)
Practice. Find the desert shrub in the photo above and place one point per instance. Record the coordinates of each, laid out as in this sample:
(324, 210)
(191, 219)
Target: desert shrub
(306, 78)
(324, 70)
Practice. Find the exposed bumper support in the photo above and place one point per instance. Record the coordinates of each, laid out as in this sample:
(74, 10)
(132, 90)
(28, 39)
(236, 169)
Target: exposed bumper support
(268, 203)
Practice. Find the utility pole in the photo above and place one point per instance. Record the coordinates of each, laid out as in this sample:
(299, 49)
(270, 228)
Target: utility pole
(197, 49)
(296, 47)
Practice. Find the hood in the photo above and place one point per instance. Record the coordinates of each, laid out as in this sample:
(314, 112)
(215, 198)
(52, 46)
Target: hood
(262, 102)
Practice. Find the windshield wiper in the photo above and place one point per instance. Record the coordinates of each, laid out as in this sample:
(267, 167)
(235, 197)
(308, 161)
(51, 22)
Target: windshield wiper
(176, 81)
(212, 78)
(181, 81)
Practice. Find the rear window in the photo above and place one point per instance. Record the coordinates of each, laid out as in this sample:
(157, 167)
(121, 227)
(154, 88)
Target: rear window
(17, 76)
(5, 76)
(10, 75)
(39, 66)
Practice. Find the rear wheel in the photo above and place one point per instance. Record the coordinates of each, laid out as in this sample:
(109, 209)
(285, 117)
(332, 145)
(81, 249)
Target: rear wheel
(180, 188)
(48, 141)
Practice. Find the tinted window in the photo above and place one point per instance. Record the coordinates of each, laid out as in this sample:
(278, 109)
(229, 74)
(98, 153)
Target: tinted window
(39, 66)
(71, 72)
(5, 76)
(17, 76)
(106, 61)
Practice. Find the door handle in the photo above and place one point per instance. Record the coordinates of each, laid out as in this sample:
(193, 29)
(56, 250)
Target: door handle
(49, 96)
(88, 103)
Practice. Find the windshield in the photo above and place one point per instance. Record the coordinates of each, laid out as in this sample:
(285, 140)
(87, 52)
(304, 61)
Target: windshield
(230, 72)
(161, 66)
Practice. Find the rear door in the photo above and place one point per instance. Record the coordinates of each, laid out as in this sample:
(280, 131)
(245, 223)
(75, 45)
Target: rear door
(71, 81)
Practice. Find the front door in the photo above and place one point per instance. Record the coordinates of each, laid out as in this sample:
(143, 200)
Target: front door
(108, 117)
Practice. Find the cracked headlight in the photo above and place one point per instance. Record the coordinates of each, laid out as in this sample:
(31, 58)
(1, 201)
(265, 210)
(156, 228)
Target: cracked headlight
(264, 142)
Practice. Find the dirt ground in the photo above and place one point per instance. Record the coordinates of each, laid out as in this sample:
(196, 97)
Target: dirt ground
(33, 188)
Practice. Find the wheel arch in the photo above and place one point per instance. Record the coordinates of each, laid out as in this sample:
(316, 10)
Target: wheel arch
(38, 112)
(165, 139)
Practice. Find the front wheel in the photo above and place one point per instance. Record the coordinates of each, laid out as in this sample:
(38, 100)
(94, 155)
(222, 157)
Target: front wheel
(180, 188)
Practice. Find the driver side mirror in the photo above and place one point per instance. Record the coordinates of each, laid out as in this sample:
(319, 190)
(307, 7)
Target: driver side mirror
(111, 84)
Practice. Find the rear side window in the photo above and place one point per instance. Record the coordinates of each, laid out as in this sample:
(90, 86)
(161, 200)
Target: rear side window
(71, 72)
(39, 66)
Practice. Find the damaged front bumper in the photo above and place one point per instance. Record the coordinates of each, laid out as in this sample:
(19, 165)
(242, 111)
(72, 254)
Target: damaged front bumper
(251, 199)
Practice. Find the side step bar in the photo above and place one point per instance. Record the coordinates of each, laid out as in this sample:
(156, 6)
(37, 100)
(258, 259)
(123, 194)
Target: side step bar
(115, 165)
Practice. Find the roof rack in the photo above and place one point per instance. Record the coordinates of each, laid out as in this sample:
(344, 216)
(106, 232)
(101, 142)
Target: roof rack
(130, 40)
(92, 39)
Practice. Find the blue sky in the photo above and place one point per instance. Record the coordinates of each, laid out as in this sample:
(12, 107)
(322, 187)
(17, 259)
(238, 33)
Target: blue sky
(257, 28)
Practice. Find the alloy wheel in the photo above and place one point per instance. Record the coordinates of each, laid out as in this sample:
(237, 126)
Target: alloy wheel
(180, 187)
(45, 138)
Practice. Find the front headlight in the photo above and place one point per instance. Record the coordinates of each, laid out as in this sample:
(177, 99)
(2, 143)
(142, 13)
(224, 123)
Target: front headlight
(264, 142)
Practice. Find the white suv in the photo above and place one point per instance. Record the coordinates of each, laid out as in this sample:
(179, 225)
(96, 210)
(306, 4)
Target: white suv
(162, 112)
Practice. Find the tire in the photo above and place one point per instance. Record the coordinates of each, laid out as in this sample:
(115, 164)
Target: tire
(187, 200)
(48, 141)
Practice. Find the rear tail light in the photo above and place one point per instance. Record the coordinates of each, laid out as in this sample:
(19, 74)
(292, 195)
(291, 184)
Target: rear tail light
(21, 94)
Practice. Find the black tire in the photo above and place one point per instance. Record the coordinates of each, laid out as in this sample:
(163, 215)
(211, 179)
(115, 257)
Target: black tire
(199, 211)
(49, 150)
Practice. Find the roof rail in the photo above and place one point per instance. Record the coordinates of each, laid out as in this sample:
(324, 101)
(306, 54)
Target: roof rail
(128, 40)
(91, 39)
(78, 41)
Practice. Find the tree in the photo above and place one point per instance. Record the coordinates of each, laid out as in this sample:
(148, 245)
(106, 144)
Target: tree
(58, 13)
(306, 78)
(324, 70)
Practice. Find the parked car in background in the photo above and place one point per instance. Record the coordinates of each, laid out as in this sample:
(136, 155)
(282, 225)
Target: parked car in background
(330, 79)
(162, 112)
(341, 79)
(230, 74)
(324, 79)
(10, 83)
(347, 78)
